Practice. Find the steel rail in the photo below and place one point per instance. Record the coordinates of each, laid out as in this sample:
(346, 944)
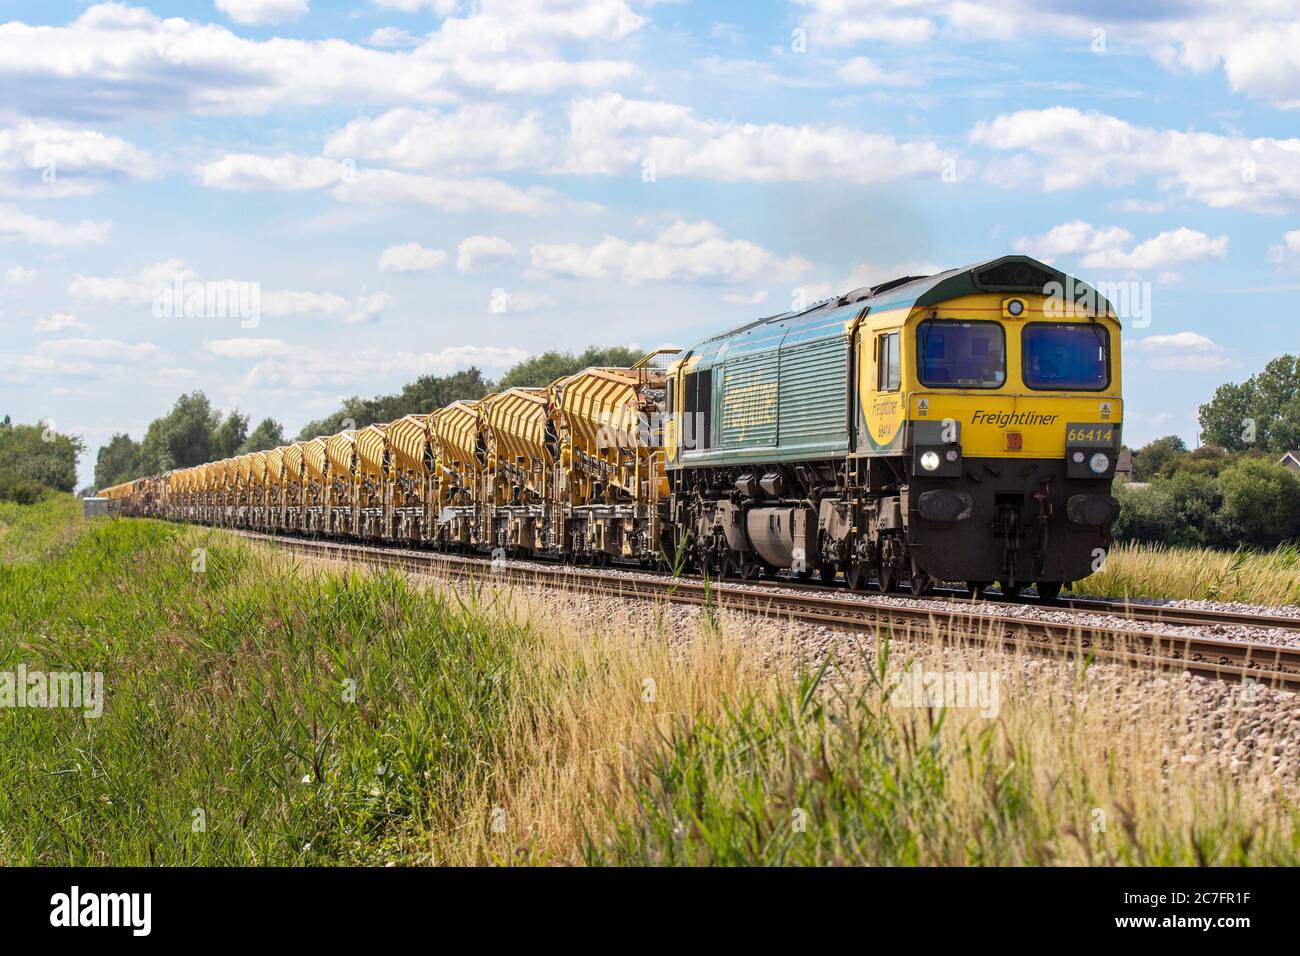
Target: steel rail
(1224, 659)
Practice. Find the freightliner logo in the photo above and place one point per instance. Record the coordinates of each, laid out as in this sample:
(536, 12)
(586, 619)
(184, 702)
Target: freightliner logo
(1006, 419)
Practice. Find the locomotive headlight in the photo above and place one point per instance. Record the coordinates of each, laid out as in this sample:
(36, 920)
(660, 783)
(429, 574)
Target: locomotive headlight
(1099, 463)
(930, 460)
(1015, 307)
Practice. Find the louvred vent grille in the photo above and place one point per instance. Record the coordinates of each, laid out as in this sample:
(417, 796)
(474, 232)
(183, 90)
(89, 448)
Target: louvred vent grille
(1014, 277)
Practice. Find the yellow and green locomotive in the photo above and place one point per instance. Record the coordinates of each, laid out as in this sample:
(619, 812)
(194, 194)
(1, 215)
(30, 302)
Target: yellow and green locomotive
(956, 427)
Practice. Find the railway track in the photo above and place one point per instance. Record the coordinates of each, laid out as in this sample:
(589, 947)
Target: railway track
(1229, 660)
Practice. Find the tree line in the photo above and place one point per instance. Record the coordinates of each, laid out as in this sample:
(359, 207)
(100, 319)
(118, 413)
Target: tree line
(193, 432)
(35, 459)
(1232, 491)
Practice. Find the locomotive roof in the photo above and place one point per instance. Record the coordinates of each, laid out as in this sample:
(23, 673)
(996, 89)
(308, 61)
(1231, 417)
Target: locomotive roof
(1006, 274)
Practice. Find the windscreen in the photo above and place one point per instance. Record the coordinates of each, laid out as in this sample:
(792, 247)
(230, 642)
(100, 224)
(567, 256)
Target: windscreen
(1067, 356)
(961, 354)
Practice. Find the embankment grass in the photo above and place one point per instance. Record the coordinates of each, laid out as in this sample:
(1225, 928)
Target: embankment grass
(38, 532)
(1159, 571)
(260, 710)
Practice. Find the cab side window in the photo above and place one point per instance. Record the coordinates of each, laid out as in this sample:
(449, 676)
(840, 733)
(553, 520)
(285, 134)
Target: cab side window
(888, 370)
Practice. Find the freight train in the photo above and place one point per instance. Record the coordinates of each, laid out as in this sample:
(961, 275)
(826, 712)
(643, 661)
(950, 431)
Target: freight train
(958, 427)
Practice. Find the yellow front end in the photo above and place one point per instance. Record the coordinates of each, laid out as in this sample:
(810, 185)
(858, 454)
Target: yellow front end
(1015, 419)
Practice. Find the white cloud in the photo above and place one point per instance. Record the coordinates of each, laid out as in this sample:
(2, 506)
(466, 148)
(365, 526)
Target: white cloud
(1139, 205)
(60, 322)
(861, 71)
(42, 161)
(366, 308)
(19, 276)
(1167, 249)
(612, 134)
(473, 138)
(482, 252)
(392, 38)
(144, 287)
(1104, 248)
(138, 289)
(99, 350)
(302, 368)
(289, 172)
(757, 297)
(868, 274)
(846, 22)
(248, 348)
(262, 11)
(410, 257)
(440, 7)
(387, 187)
(684, 252)
(21, 227)
(156, 64)
(1286, 252)
(503, 302)
(1064, 148)
(1178, 352)
(1257, 42)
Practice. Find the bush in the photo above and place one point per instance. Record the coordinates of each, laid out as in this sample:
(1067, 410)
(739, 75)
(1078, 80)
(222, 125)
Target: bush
(1251, 502)
(1262, 499)
(24, 491)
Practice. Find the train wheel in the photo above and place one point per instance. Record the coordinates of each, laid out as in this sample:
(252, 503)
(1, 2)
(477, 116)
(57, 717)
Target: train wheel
(921, 583)
(1010, 591)
(887, 578)
(978, 589)
(1048, 590)
(728, 566)
(827, 573)
(856, 576)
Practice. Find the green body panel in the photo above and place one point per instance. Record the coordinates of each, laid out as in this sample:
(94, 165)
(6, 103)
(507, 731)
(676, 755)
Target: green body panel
(812, 409)
(749, 385)
(780, 392)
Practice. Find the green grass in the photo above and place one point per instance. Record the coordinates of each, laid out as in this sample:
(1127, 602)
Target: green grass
(38, 532)
(226, 695)
(309, 715)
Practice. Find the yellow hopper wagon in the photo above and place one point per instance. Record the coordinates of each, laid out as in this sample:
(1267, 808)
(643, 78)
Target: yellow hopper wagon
(372, 488)
(523, 448)
(315, 481)
(341, 500)
(611, 475)
(463, 489)
(275, 489)
(411, 469)
(295, 486)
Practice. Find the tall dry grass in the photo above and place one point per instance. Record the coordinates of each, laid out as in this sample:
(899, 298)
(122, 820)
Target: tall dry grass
(746, 738)
(1161, 571)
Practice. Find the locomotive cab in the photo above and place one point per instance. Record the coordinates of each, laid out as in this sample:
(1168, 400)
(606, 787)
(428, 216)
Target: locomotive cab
(1013, 414)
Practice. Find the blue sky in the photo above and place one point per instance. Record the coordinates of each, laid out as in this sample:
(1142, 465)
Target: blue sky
(417, 185)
